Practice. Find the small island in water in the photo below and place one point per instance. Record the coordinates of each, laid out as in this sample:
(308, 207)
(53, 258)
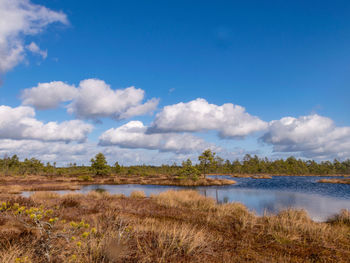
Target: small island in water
(335, 181)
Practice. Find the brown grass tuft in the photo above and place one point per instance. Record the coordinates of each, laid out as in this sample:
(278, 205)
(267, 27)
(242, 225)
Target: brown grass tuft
(343, 218)
(44, 195)
(184, 198)
(138, 194)
(70, 201)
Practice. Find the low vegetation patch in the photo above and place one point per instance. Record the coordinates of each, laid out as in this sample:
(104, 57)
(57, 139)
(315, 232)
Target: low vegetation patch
(262, 176)
(174, 226)
(335, 181)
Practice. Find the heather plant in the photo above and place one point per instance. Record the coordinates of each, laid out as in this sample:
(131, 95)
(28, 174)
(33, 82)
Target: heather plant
(51, 229)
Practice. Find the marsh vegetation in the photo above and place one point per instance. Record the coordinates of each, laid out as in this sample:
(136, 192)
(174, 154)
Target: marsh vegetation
(174, 226)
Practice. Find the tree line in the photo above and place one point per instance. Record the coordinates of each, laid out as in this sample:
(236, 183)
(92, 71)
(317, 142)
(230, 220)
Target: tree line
(208, 163)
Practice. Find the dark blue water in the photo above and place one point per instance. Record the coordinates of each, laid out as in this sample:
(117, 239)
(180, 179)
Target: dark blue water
(262, 196)
(302, 184)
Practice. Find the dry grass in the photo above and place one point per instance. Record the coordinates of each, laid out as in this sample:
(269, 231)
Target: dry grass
(14, 252)
(241, 175)
(262, 176)
(174, 226)
(254, 176)
(43, 195)
(184, 198)
(137, 194)
(343, 218)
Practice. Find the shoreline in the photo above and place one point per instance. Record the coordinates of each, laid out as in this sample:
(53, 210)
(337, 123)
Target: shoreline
(16, 185)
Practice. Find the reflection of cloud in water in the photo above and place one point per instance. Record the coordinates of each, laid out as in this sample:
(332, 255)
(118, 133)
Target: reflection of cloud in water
(272, 201)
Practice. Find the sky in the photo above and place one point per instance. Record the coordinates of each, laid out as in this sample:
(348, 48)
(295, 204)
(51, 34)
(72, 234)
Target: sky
(160, 81)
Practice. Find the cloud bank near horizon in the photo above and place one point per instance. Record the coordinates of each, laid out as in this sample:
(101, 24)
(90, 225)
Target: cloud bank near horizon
(134, 135)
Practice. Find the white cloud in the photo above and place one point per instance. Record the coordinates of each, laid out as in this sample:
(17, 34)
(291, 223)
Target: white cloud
(229, 120)
(20, 123)
(34, 48)
(20, 18)
(93, 99)
(48, 95)
(133, 135)
(96, 99)
(141, 109)
(312, 136)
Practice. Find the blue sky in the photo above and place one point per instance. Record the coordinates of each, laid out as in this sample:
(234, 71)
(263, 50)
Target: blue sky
(276, 59)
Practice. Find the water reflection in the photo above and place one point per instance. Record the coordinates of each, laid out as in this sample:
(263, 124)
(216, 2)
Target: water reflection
(271, 201)
(262, 195)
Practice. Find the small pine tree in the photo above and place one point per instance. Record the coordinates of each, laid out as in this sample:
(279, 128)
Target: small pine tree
(99, 165)
(207, 160)
(117, 168)
(188, 171)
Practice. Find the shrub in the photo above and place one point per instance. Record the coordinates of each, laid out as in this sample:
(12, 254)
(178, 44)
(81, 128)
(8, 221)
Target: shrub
(85, 178)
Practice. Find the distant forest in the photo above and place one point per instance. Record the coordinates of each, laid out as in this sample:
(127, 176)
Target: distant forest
(216, 165)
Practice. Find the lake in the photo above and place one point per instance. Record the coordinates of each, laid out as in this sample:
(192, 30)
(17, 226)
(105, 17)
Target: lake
(320, 200)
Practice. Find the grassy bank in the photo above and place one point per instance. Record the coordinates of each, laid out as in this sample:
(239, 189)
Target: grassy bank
(253, 176)
(335, 181)
(170, 227)
(17, 184)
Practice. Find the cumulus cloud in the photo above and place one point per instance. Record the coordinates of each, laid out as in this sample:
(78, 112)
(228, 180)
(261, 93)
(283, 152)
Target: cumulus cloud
(231, 121)
(312, 136)
(20, 123)
(34, 48)
(92, 99)
(133, 135)
(96, 99)
(48, 95)
(20, 18)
